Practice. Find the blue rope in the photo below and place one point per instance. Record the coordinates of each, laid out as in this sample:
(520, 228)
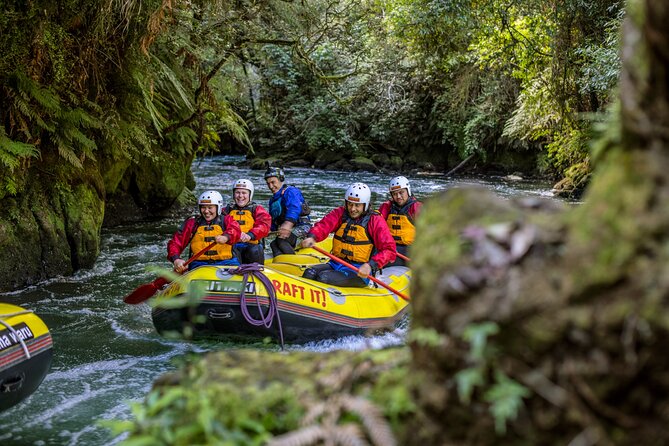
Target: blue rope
(255, 270)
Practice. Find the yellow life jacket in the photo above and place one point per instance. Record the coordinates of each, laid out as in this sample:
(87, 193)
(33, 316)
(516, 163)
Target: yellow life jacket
(244, 217)
(204, 235)
(352, 241)
(401, 225)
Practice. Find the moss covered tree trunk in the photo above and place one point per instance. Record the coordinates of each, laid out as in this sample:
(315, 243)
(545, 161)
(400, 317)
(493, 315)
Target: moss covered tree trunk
(552, 326)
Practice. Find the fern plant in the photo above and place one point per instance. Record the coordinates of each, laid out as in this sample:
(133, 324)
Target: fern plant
(41, 114)
(504, 396)
(12, 154)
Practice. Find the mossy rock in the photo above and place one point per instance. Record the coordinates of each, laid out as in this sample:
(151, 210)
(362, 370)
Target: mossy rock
(396, 163)
(112, 170)
(326, 158)
(364, 163)
(156, 184)
(20, 245)
(381, 159)
(83, 211)
(256, 395)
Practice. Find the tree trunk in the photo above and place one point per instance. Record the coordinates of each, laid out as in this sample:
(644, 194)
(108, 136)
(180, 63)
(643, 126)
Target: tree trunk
(552, 325)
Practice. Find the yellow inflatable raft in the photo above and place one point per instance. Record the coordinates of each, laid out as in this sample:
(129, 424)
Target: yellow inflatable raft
(293, 308)
(25, 354)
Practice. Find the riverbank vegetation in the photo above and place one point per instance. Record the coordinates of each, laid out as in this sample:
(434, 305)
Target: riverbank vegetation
(115, 98)
(425, 81)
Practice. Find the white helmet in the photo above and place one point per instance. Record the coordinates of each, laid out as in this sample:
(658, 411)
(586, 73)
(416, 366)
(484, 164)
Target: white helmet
(244, 184)
(211, 197)
(398, 183)
(359, 193)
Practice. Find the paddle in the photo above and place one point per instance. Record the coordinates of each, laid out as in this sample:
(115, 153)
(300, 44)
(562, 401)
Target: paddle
(403, 257)
(147, 290)
(372, 278)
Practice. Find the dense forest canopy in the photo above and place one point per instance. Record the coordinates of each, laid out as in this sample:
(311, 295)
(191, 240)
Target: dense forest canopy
(309, 80)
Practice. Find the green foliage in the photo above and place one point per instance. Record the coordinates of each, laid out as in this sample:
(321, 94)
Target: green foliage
(477, 335)
(13, 152)
(504, 395)
(42, 114)
(467, 380)
(536, 113)
(214, 414)
(247, 397)
(428, 337)
(506, 398)
(569, 148)
(600, 67)
(346, 77)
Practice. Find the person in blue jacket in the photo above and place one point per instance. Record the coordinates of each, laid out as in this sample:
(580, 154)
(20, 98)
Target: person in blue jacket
(289, 211)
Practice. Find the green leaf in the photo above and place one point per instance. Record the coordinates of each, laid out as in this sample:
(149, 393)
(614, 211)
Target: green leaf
(506, 397)
(467, 380)
(477, 335)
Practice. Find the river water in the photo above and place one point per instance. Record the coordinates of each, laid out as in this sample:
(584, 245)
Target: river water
(107, 353)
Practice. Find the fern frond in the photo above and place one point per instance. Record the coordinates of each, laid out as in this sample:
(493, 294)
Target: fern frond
(372, 419)
(306, 436)
(76, 136)
(11, 186)
(12, 152)
(157, 119)
(174, 85)
(68, 155)
(8, 161)
(81, 118)
(234, 124)
(30, 90)
(349, 435)
(22, 105)
(314, 413)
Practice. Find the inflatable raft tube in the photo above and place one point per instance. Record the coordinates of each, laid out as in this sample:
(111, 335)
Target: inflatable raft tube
(25, 354)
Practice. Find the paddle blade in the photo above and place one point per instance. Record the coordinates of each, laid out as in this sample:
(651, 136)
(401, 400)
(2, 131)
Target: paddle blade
(145, 291)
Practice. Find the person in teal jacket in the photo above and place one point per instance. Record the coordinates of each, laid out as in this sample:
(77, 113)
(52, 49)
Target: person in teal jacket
(289, 211)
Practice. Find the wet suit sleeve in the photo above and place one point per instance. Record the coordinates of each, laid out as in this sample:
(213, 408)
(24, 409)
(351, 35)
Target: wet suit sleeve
(386, 250)
(415, 208)
(292, 200)
(262, 223)
(232, 229)
(180, 239)
(384, 209)
(327, 224)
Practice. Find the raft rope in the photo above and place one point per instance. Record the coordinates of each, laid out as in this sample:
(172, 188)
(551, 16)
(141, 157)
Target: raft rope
(255, 270)
(10, 328)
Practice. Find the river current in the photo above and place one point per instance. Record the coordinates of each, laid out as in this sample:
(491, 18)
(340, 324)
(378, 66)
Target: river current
(107, 353)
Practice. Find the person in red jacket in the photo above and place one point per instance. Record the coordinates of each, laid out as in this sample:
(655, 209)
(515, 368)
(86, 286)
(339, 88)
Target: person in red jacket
(361, 238)
(200, 232)
(400, 213)
(253, 220)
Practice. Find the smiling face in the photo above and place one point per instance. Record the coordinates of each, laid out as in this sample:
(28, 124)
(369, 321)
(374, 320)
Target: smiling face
(241, 197)
(400, 197)
(273, 184)
(208, 211)
(355, 210)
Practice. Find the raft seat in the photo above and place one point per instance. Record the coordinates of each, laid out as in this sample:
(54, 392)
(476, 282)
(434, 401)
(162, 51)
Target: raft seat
(295, 264)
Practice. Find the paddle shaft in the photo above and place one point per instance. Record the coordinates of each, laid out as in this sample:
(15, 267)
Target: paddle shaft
(403, 257)
(372, 278)
(200, 252)
(147, 290)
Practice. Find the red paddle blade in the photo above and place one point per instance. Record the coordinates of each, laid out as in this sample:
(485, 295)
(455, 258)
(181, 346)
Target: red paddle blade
(143, 292)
